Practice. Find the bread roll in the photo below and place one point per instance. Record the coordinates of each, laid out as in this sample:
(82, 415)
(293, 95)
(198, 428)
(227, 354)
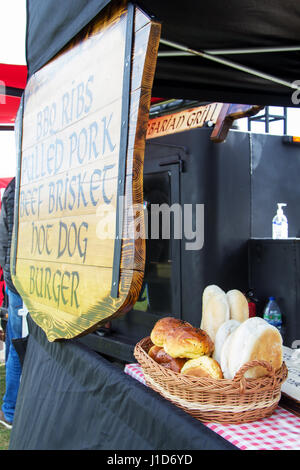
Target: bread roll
(188, 342)
(161, 357)
(223, 332)
(238, 305)
(254, 339)
(209, 292)
(216, 312)
(225, 353)
(153, 351)
(164, 326)
(203, 366)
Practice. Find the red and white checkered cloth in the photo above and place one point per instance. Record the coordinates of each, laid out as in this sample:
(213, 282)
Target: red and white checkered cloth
(281, 431)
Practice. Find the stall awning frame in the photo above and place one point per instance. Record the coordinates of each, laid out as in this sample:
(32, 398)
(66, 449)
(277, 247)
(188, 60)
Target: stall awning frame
(214, 56)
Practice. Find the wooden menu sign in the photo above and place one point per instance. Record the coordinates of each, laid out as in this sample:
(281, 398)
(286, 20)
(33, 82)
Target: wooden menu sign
(84, 126)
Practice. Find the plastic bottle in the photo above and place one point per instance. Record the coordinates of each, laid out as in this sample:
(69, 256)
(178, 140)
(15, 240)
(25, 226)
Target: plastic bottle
(272, 313)
(280, 224)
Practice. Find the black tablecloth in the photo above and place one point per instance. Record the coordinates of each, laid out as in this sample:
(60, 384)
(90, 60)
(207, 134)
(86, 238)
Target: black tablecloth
(72, 398)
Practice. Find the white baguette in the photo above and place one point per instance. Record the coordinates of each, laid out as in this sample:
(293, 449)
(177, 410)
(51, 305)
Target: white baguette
(238, 304)
(216, 311)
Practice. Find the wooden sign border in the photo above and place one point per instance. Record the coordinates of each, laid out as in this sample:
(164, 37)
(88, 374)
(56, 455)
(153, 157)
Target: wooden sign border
(123, 147)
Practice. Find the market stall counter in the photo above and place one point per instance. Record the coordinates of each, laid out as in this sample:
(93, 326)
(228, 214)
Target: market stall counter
(72, 398)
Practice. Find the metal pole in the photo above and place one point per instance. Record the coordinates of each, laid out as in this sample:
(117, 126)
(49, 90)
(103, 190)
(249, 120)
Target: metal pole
(254, 50)
(284, 121)
(267, 128)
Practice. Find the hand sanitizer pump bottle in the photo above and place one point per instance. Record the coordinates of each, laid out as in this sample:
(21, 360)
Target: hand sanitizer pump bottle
(280, 224)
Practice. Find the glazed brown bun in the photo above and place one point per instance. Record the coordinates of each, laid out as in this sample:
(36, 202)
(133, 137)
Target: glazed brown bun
(164, 326)
(188, 342)
(153, 351)
(161, 357)
(203, 366)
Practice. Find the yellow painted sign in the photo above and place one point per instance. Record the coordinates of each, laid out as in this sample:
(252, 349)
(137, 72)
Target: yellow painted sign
(184, 120)
(69, 176)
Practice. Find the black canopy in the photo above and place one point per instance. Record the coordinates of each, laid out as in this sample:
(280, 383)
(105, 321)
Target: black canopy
(261, 37)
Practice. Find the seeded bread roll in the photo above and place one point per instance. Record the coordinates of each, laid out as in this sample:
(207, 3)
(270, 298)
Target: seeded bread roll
(161, 357)
(203, 366)
(238, 305)
(254, 339)
(216, 312)
(222, 334)
(188, 342)
(162, 327)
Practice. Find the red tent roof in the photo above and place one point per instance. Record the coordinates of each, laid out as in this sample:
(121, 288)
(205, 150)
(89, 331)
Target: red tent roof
(12, 83)
(14, 76)
(4, 182)
(9, 106)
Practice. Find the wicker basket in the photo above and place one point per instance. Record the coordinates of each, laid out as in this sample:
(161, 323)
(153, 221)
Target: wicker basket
(235, 401)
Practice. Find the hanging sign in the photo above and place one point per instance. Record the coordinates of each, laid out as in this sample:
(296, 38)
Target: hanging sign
(219, 116)
(184, 120)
